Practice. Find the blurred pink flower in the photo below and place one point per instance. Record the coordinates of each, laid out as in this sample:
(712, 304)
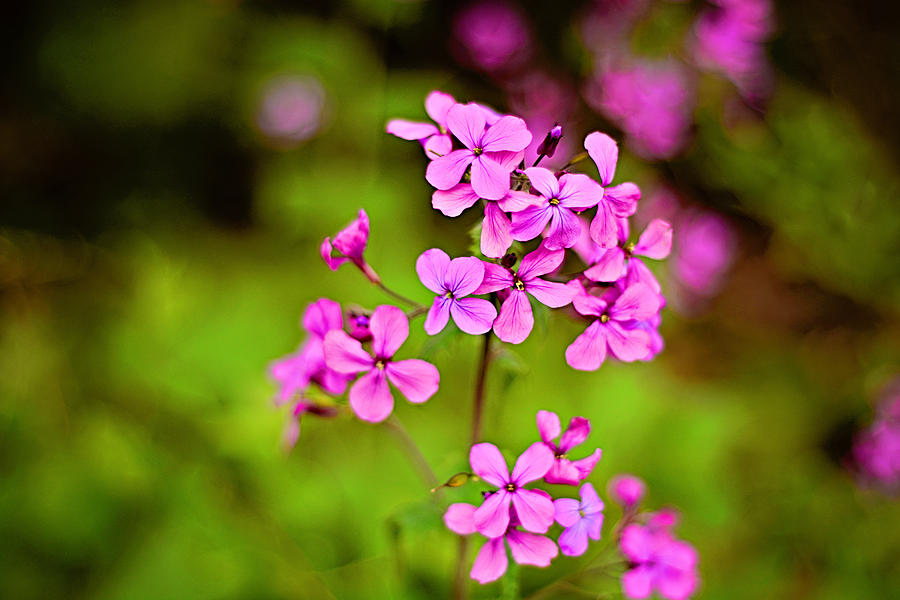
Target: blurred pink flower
(292, 109)
(660, 563)
(704, 250)
(492, 36)
(627, 490)
(877, 448)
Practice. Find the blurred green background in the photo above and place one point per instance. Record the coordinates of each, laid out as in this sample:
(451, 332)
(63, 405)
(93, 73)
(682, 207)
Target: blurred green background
(157, 249)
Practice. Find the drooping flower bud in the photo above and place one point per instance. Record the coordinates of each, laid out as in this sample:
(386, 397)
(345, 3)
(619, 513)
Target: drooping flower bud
(551, 141)
(627, 490)
(359, 325)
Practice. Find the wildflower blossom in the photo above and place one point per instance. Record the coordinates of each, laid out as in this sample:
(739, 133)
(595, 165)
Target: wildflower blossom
(494, 36)
(565, 471)
(489, 175)
(350, 243)
(705, 249)
(582, 519)
(615, 329)
(516, 319)
(562, 198)
(627, 490)
(660, 563)
(618, 201)
(615, 263)
(491, 563)
(435, 139)
(452, 281)
(370, 396)
(534, 508)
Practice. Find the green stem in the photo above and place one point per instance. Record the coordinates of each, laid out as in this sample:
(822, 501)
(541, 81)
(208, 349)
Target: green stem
(413, 452)
(478, 401)
(399, 296)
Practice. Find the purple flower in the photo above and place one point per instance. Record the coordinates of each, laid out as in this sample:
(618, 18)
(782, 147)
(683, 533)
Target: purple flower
(435, 139)
(350, 242)
(533, 507)
(370, 396)
(582, 520)
(493, 35)
(705, 250)
(516, 319)
(495, 227)
(627, 490)
(618, 201)
(562, 198)
(615, 328)
(292, 109)
(452, 281)
(483, 148)
(565, 471)
(491, 563)
(615, 263)
(660, 562)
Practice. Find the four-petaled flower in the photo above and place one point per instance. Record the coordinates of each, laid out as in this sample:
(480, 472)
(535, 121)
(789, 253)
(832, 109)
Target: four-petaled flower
(582, 519)
(533, 507)
(350, 242)
(452, 281)
(370, 396)
(565, 471)
(516, 320)
(561, 200)
(490, 176)
(618, 201)
(615, 263)
(661, 563)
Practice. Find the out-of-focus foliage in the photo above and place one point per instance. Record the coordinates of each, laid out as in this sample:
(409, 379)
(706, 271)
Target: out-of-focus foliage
(157, 250)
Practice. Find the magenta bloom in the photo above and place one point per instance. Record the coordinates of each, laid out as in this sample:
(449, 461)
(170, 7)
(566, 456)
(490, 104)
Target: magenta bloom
(582, 520)
(494, 35)
(350, 242)
(491, 563)
(516, 319)
(370, 396)
(533, 507)
(877, 448)
(618, 201)
(627, 490)
(705, 251)
(435, 139)
(483, 148)
(293, 109)
(452, 281)
(661, 563)
(616, 327)
(561, 200)
(614, 263)
(565, 471)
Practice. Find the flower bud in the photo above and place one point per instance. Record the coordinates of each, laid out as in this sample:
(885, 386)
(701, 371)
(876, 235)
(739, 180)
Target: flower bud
(627, 490)
(508, 261)
(551, 140)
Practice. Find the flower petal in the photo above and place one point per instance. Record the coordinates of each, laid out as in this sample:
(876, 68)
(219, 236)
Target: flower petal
(431, 266)
(325, 250)
(677, 585)
(446, 171)
(550, 293)
(438, 315)
(534, 509)
(590, 501)
(588, 350)
(548, 426)
(637, 272)
(627, 344)
(490, 179)
(636, 543)
(530, 549)
(530, 222)
(438, 145)
(390, 328)
(586, 465)
(437, 105)
(532, 464)
(638, 582)
(460, 518)
(655, 241)
(345, 354)
(322, 316)
(540, 262)
(637, 302)
(577, 431)
(473, 315)
(491, 562)
(489, 464)
(516, 201)
(496, 278)
(351, 240)
(604, 229)
(410, 130)
(454, 201)
(622, 198)
(509, 134)
(604, 151)
(574, 540)
(543, 181)
(370, 397)
(464, 275)
(564, 230)
(563, 472)
(495, 231)
(610, 266)
(416, 379)
(567, 511)
(492, 517)
(516, 319)
(578, 191)
(466, 122)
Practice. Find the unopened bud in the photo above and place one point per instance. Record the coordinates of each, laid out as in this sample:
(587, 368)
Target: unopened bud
(457, 480)
(508, 261)
(551, 141)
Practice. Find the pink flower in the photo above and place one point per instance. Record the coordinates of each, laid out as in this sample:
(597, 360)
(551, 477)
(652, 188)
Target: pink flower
(494, 35)
(350, 242)
(618, 201)
(434, 138)
(661, 563)
(516, 319)
(533, 507)
(615, 263)
(627, 490)
(491, 562)
(295, 372)
(582, 520)
(483, 148)
(370, 396)
(565, 471)
(615, 328)
(302, 407)
(293, 109)
(562, 198)
(495, 227)
(452, 281)
(705, 243)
